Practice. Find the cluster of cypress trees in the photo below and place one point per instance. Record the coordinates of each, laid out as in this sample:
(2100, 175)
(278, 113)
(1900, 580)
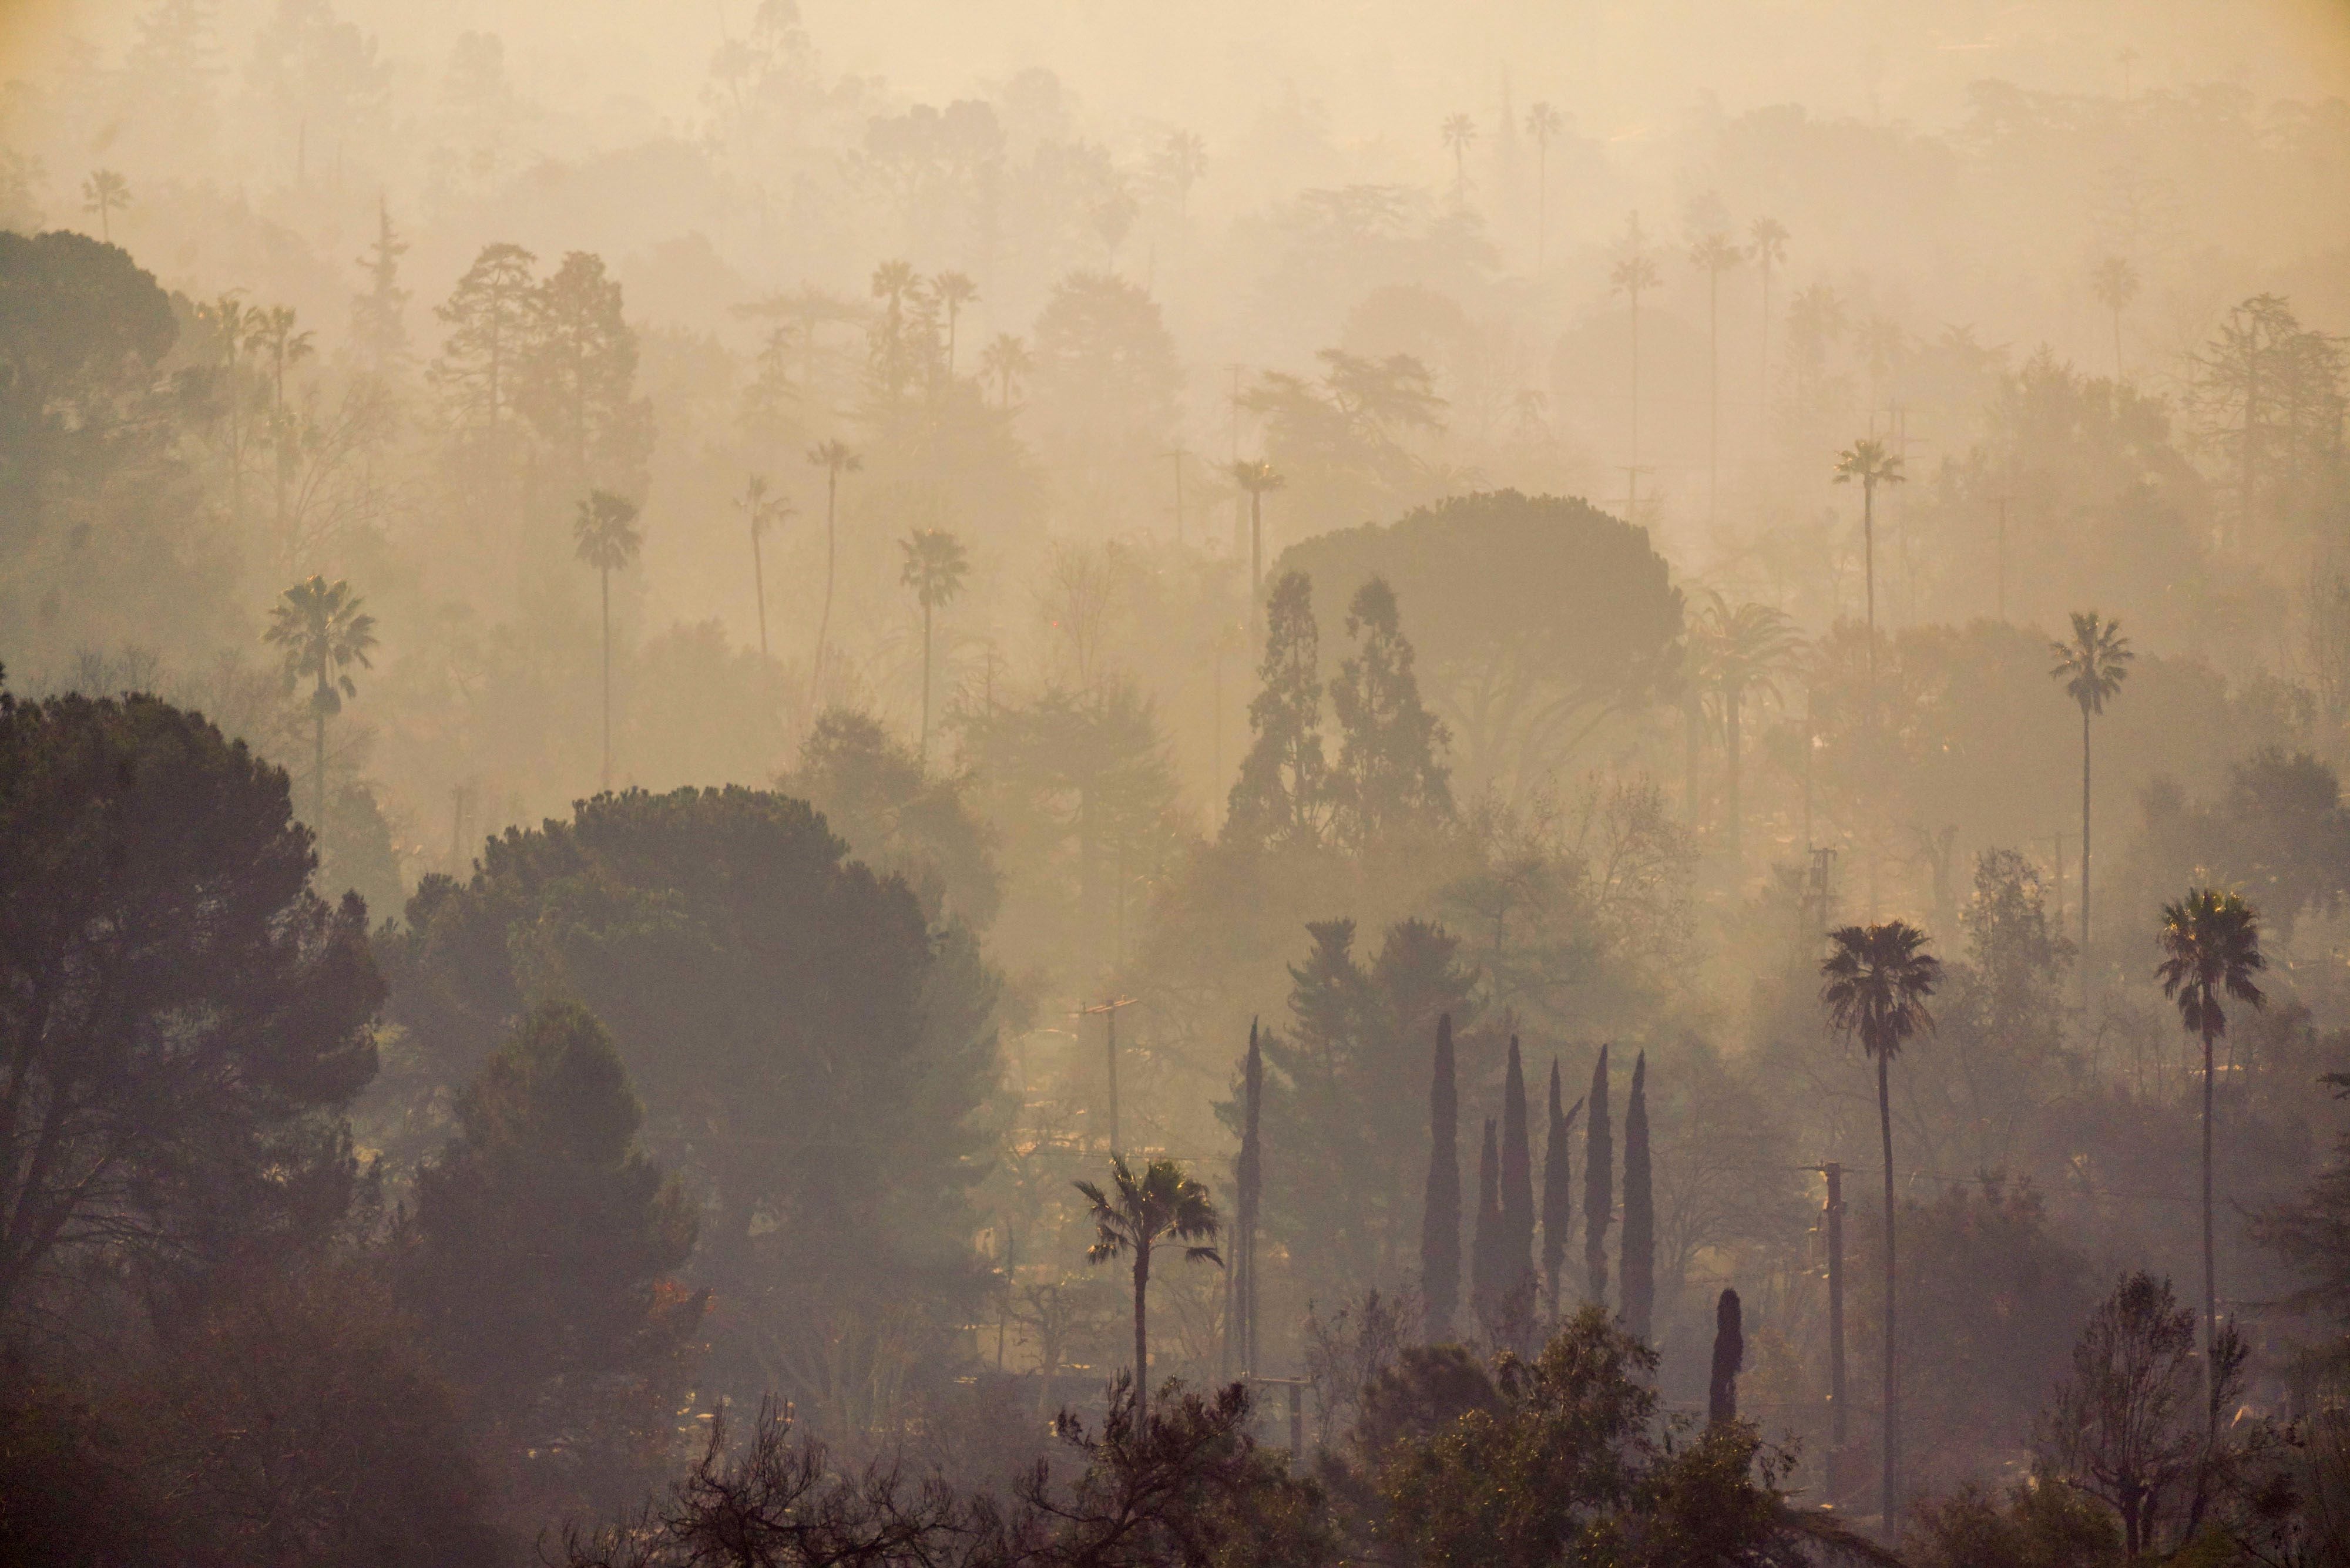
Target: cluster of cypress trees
(1506, 1292)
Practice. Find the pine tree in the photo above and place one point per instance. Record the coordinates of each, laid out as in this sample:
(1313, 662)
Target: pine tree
(543, 1240)
(1440, 1225)
(1486, 1249)
(489, 317)
(1599, 1184)
(1389, 775)
(1640, 1242)
(379, 316)
(1250, 1186)
(1729, 1360)
(1558, 1192)
(1279, 798)
(1514, 1268)
(578, 378)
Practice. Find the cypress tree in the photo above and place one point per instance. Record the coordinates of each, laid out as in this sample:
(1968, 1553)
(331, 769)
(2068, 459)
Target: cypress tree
(1599, 1184)
(1486, 1249)
(1729, 1360)
(1558, 1192)
(1250, 1184)
(1640, 1242)
(1514, 1267)
(1440, 1224)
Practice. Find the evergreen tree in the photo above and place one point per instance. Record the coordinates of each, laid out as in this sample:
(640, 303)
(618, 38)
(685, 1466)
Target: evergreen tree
(1640, 1239)
(578, 376)
(1439, 1226)
(545, 1239)
(1389, 775)
(1729, 1360)
(1558, 1192)
(1598, 1185)
(379, 316)
(1279, 798)
(1251, 1186)
(1485, 1246)
(489, 316)
(1514, 1266)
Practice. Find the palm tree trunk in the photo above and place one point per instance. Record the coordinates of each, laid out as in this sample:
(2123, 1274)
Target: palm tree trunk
(2085, 871)
(1868, 557)
(1730, 714)
(1141, 1332)
(1713, 406)
(926, 682)
(1256, 558)
(1892, 1417)
(607, 575)
(824, 621)
(318, 771)
(759, 578)
(2211, 1274)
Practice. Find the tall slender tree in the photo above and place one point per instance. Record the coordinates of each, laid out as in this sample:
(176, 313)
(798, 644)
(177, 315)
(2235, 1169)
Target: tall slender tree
(272, 335)
(1639, 1239)
(1558, 1193)
(1738, 651)
(2210, 942)
(1514, 1275)
(1543, 123)
(606, 536)
(834, 458)
(934, 568)
(103, 193)
(1251, 1193)
(1867, 462)
(1716, 253)
(324, 632)
(1599, 1184)
(379, 316)
(1729, 1360)
(1875, 984)
(954, 291)
(1486, 1248)
(1138, 1215)
(1459, 134)
(1004, 361)
(1766, 242)
(762, 512)
(2092, 666)
(2115, 284)
(1632, 275)
(1440, 1222)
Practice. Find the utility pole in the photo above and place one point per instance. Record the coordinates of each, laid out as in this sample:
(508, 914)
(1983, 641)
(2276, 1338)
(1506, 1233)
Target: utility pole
(1109, 1012)
(1632, 472)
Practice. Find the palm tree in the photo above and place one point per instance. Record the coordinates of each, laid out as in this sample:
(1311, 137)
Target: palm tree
(2092, 666)
(1634, 274)
(1867, 460)
(324, 632)
(102, 193)
(2211, 944)
(760, 508)
(1716, 254)
(1543, 123)
(1460, 135)
(2115, 282)
(834, 458)
(1741, 650)
(1873, 983)
(934, 568)
(1004, 361)
(1766, 242)
(271, 331)
(1256, 476)
(604, 531)
(954, 291)
(1136, 1215)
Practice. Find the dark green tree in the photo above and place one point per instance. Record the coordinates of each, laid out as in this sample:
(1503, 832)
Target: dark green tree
(1729, 1360)
(544, 1243)
(1598, 1185)
(1439, 1226)
(1875, 984)
(1136, 1215)
(1390, 774)
(577, 379)
(1558, 1194)
(1639, 1239)
(1281, 795)
(1249, 1187)
(181, 1019)
(1487, 1251)
(1514, 1269)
